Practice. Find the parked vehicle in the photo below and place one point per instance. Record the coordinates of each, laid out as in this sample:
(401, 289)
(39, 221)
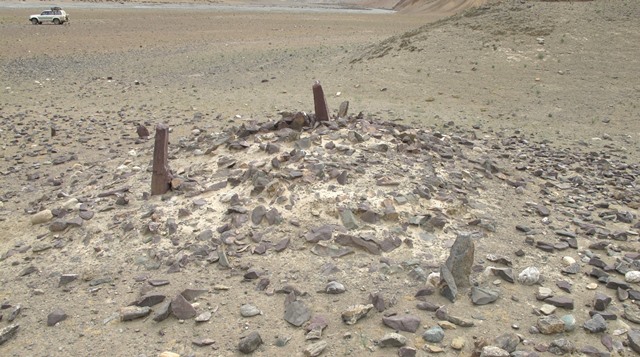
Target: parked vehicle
(56, 16)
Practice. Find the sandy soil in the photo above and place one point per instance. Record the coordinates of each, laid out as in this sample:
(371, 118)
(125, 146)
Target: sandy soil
(532, 85)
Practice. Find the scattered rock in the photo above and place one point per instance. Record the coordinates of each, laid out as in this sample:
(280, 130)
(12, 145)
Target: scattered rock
(529, 276)
(561, 346)
(355, 313)
(493, 351)
(569, 322)
(551, 324)
(408, 323)
(457, 343)
(434, 334)
(334, 287)
(250, 343)
(596, 324)
(168, 354)
(547, 309)
(315, 349)
(7, 333)
(455, 272)
(632, 276)
(43, 216)
(162, 312)
(150, 300)
(560, 301)
(204, 317)
(134, 312)
(297, 313)
(202, 342)
(633, 338)
(56, 316)
(182, 309)
(601, 301)
(483, 296)
(632, 313)
(507, 341)
(248, 310)
(392, 339)
(407, 351)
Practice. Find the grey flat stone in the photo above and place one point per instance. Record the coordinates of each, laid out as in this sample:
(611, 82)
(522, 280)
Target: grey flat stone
(297, 313)
(483, 296)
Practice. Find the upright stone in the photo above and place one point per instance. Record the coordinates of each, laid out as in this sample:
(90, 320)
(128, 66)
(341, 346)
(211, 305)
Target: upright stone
(457, 266)
(344, 109)
(142, 131)
(161, 177)
(320, 103)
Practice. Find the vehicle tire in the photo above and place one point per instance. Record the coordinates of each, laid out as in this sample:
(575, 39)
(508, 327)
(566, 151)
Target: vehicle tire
(56, 21)
(34, 21)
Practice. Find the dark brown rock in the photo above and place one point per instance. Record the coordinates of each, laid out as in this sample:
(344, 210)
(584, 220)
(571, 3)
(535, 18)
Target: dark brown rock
(358, 242)
(427, 306)
(320, 103)
(142, 131)
(181, 308)
(150, 300)
(377, 300)
(161, 177)
(560, 301)
(408, 323)
(601, 301)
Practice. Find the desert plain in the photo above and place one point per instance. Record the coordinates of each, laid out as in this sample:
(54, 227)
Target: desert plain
(513, 124)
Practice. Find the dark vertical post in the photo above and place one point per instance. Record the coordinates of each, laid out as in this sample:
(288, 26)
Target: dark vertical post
(320, 103)
(161, 178)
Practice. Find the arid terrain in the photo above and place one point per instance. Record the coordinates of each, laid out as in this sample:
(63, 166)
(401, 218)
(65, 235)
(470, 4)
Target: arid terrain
(514, 125)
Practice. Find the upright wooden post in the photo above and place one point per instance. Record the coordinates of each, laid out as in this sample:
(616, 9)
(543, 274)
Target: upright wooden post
(161, 178)
(320, 103)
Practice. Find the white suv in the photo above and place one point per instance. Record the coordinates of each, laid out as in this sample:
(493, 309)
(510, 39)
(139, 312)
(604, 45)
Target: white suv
(55, 15)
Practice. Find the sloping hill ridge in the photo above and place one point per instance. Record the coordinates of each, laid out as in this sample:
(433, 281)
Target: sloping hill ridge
(437, 6)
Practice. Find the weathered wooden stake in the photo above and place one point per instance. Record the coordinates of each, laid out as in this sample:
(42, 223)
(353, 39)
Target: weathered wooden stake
(320, 103)
(161, 178)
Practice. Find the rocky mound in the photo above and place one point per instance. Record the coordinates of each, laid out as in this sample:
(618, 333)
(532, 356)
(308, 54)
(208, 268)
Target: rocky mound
(350, 206)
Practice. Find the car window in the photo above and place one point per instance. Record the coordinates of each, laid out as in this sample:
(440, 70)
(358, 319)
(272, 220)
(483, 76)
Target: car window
(46, 13)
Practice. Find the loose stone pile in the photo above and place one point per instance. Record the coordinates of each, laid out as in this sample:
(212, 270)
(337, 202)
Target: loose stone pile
(351, 187)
